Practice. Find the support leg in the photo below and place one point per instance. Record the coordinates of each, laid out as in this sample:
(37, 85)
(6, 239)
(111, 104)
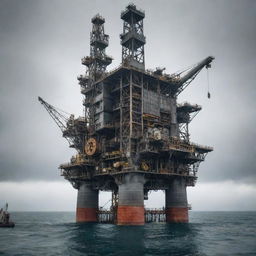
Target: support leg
(87, 203)
(176, 201)
(131, 200)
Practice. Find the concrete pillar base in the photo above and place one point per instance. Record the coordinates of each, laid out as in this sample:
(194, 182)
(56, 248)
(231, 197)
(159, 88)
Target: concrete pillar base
(177, 215)
(130, 209)
(86, 215)
(130, 215)
(176, 201)
(87, 203)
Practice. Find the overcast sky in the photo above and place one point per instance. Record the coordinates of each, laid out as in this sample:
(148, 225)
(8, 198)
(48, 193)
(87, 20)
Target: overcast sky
(41, 44)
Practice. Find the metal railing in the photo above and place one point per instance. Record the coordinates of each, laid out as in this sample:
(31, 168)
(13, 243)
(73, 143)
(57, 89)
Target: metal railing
(151, 215)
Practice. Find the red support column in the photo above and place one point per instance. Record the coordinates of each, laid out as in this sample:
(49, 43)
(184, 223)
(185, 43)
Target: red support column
(130, 209)
(176, 201)
(130, 215)
(177, 214)
(87, 203)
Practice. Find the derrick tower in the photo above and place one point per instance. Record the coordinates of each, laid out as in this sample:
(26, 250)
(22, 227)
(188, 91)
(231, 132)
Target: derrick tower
(134, 137)
(132, 38)
(96, 65)
(98, 61)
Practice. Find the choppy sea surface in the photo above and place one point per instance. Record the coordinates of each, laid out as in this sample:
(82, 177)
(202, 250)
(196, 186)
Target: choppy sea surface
(56, 233)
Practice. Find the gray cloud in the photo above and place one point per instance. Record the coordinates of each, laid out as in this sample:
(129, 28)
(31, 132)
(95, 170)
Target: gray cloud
(41, 46)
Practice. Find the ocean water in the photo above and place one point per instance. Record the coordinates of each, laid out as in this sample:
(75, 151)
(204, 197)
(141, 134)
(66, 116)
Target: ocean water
(55, 233)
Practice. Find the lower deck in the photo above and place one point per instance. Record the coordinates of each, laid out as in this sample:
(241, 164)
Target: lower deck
(151, 215)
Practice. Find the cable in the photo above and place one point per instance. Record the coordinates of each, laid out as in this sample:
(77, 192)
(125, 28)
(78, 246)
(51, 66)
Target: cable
(106, 203)
(208, 84)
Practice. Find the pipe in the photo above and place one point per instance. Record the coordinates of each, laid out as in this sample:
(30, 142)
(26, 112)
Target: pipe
(174, 125)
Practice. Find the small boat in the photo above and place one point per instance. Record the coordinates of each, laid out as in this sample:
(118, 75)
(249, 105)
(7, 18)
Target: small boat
(5, 218)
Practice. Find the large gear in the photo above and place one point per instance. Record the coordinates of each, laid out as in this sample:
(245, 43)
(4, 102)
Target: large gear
(90, 147)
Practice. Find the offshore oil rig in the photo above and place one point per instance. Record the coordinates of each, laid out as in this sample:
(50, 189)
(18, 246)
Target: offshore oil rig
(134, 136)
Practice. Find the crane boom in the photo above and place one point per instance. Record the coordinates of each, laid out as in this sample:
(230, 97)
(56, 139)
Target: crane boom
(184, 81)
(73, 130)
(58, 117)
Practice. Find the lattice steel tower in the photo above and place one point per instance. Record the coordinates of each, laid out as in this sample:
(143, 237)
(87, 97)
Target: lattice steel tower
(98, 61)
(132, 38)
(96, 65)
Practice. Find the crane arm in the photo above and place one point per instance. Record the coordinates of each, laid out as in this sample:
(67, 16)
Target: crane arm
(72, 129)
(185, 80)
(58, 118)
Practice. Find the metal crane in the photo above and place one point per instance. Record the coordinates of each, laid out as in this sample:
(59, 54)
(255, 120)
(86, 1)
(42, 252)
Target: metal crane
(73, 130)
(190, 74)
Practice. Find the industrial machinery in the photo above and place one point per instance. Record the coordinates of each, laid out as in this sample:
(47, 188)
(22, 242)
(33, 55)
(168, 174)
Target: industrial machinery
(134, 136)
